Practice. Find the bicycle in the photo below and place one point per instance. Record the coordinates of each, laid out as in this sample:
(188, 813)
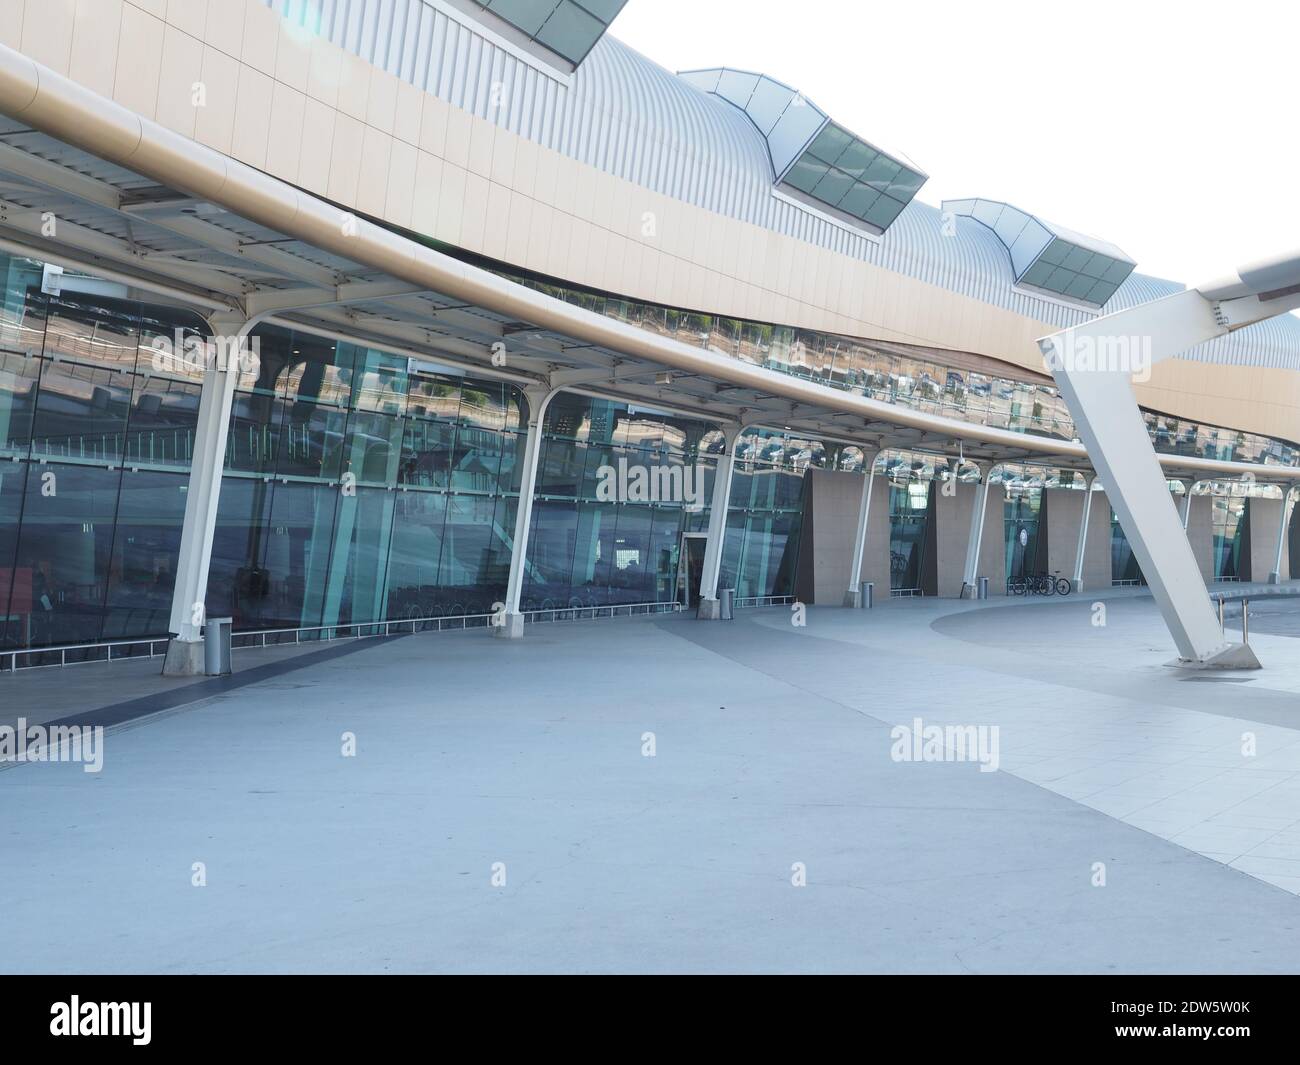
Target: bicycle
(1039, 584)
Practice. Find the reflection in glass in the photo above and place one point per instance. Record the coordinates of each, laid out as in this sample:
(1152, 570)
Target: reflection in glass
(64, 549)
(909, 511)
(146, 543)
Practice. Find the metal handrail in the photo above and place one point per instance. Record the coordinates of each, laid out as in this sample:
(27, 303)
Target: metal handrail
(1273, 591)
(612, 610)
(1244, 598)
(357, 630)
(762, 600)
(145, 641)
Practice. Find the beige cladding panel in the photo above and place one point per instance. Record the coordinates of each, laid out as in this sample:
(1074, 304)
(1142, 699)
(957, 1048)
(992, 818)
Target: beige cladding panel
(836, 497)
(237, 77)
(1200, 533)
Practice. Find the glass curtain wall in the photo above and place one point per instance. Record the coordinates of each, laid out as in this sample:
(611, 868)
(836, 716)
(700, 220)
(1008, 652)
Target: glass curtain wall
(356, 490)
(96, 435)
(765, 515)
(616, 489)
(1124, 568)
(909, 506)
(1229, 525)
(1020, 518)
(906, 375)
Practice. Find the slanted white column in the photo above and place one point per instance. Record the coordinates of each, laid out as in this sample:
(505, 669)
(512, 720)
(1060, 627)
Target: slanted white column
(970, 575)
(709, 608)
(1275, 577)
(1187, 502)
(224, 355)
(853, 595)
(1083, 534)
(507, 621)
(1108, 421)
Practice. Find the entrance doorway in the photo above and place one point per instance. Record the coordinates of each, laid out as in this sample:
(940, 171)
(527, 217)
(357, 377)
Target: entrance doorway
(690, 568)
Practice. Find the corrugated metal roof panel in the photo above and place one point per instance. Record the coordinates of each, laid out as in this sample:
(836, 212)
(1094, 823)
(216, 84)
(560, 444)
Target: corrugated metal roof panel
(629, 117)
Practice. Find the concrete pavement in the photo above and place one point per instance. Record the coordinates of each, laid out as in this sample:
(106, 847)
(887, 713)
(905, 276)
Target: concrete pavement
(503, 811)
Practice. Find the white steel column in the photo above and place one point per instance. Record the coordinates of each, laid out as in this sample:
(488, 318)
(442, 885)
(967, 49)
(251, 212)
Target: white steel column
(1187, 502)
(853, 595)
(1275, 577)
(507, 621)
(970, 575)
(709, 609)
(1083, 533)
(1108, 421)
(224, 354)
(1093, 364)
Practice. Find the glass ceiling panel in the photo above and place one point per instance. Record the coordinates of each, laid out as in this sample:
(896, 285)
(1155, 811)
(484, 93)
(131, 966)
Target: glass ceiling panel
(569, 28)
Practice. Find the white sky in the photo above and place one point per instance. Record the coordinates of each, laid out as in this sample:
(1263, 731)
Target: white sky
(1168, 128)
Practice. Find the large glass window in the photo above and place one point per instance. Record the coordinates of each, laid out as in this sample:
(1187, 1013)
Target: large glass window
(65, 546)
(1229, 526)
(1020, 513)
(475, 567)
(418, 525)
(909, 507)
(15, 588)
(146, 544)
(1124, 568)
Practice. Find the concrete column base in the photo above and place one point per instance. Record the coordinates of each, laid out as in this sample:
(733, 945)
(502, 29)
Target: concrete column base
(1233, 656)
(1275, 577)
(852, 599)
(511, 627)
(968, 591)
(184, 658)
(709, 610)
(1076, 586)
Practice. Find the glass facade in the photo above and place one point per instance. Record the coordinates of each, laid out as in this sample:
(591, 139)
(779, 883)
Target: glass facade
(1228, 521)
(765, 517)
(909, 510)
(95, 445)
(909, 376)
(357, 489)
(360, 486)
(1124, 568)
(1021, 512)
(604, 532)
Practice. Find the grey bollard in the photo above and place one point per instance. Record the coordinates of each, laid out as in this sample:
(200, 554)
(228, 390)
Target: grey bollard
(984, 588)
(216, 646)
(866, 595)
(727, 604)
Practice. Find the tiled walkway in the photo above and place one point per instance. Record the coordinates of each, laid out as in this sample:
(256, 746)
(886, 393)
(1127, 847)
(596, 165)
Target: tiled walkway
(1208, 761)
(770, 828)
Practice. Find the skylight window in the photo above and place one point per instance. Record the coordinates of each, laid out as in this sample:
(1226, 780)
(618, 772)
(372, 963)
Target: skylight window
(856, 178)
(815, 159)
(569, 28)
(1050, 257)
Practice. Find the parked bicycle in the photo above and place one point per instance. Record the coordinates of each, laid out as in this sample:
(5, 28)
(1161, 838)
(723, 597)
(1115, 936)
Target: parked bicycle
(1039, 584)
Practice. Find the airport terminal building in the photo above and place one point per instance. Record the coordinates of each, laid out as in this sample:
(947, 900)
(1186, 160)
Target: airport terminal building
(321, 314)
